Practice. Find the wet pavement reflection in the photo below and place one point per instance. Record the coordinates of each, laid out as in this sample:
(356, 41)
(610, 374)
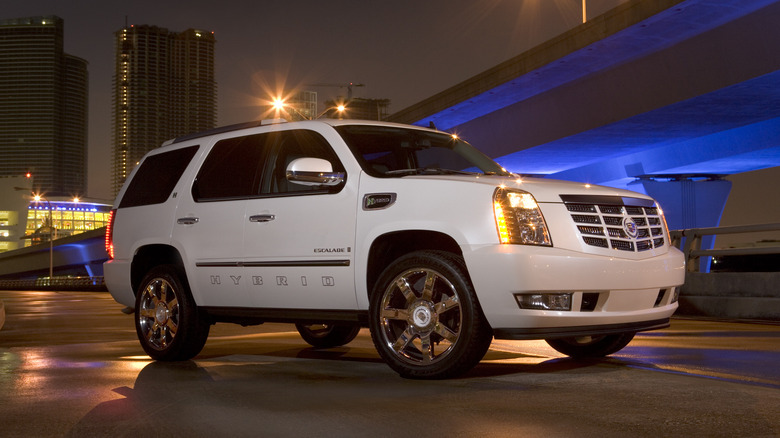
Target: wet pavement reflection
(70, 365)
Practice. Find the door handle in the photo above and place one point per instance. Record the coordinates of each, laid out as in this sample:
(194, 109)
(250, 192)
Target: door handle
(187, 220)
(262, 218)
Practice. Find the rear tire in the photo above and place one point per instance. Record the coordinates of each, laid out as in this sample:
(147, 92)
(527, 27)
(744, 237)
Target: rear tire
(168, 323)
(327, 335)
(591, 346)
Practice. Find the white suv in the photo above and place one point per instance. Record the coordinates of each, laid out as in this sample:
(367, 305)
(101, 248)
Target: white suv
(339, 224)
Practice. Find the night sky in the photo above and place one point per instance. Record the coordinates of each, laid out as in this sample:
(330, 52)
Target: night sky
(402, 50)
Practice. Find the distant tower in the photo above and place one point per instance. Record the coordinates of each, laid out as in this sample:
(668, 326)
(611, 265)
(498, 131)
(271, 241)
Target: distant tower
(304, 104)
(164, 87)
(43, 106)
(194, 98)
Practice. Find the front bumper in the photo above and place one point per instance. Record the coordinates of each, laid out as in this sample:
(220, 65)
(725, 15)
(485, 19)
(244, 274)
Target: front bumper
(633, 295)
(520, 334)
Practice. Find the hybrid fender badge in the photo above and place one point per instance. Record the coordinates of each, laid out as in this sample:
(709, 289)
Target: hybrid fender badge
(378, 201)
(630, 228)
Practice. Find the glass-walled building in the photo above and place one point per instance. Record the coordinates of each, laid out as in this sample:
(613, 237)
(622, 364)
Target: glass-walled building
(15, 194)
(43, 106)
(24, 221)
(69, 217)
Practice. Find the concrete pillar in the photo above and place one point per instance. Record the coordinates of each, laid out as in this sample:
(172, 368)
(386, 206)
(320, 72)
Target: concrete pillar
(691, 202)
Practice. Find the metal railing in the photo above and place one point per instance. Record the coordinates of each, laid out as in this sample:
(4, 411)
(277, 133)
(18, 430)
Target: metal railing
(55, 283)
(693, 239)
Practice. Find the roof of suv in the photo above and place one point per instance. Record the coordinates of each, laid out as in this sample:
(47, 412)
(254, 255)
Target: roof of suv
(266, 122)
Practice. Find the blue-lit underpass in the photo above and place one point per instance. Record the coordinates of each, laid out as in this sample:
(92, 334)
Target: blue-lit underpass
(661, 97)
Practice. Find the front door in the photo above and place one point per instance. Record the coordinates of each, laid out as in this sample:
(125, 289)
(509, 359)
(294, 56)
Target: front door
(299, 240)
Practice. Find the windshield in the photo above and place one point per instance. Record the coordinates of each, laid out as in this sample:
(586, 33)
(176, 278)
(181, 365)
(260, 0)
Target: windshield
(385, 151)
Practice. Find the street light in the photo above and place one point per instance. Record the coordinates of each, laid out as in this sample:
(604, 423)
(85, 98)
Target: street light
(52, 230)
(52, 235)
(340, 109)
(279, 105)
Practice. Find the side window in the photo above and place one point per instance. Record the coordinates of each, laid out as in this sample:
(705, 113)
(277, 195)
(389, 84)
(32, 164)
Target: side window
(232, 169)
(155, 179)
(298, 144)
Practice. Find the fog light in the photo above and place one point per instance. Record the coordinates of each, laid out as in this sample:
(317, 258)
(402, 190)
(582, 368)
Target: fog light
(676, 294)
(557, 301)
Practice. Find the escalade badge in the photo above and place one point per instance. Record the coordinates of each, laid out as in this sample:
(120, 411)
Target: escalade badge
(630, 228)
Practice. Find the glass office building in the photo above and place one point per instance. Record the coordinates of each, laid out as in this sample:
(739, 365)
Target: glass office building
(43, 106)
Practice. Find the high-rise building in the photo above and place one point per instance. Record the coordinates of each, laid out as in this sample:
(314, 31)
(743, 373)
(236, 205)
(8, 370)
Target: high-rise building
(43, 106)
(367, 109)
(164, 87)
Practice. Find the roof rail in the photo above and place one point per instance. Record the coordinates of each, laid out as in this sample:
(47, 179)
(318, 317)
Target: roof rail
(221, 129)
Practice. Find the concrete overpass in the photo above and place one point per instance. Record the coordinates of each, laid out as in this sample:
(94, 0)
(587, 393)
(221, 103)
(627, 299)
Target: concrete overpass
(660, 96)
(77, 261)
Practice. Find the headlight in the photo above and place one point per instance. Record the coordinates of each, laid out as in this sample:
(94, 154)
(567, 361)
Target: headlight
(519, 219)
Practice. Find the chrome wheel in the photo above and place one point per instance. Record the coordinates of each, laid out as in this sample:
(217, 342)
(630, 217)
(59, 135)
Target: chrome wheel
(420, 316)
(158, 313)
(425, 319)
(169, 324)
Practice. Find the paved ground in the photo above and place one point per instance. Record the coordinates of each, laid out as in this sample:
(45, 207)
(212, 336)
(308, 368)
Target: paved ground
(70, 365)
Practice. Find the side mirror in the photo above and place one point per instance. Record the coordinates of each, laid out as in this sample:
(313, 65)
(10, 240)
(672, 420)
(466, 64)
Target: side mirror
(313, 172)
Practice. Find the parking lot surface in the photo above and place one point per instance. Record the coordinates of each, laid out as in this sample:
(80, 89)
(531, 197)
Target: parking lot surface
(70, 365)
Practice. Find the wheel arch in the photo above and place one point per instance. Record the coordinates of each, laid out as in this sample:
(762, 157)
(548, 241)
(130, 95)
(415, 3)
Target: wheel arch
(149, 256)
(392, 245)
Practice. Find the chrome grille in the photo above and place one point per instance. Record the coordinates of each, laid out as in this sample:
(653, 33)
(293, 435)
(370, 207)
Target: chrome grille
(608, 226)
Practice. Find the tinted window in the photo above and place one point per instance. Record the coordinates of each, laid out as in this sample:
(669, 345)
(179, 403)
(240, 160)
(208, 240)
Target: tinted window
(395, 152)
(155, 179)
(233, 168)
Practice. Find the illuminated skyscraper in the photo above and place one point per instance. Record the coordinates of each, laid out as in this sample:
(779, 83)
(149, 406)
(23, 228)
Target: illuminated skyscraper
(164, 87)
(43, 106)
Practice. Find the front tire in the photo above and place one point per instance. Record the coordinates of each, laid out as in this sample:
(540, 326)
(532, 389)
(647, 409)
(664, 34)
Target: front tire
(425, 319)
(591, 346)
(168, 323)
(327, 335)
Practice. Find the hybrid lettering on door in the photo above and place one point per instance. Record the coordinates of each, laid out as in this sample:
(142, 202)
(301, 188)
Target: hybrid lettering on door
(279, 280)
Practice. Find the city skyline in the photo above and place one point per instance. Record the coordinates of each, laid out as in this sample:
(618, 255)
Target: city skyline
(403, 51)
(43, 119)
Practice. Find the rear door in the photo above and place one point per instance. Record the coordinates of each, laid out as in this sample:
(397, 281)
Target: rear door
(211, 218)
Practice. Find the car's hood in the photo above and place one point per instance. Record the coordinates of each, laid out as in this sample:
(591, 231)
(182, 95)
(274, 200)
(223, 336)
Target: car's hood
(543, 189)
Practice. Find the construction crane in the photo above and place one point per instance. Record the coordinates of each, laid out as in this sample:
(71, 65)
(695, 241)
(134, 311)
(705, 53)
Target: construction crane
(347, 86)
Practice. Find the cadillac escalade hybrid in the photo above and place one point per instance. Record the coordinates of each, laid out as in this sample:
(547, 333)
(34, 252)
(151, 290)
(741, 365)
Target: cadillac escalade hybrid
(336, 225)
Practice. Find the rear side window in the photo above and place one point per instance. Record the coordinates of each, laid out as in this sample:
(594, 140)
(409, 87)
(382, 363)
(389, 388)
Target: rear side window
(155, 179)
(233, 168)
